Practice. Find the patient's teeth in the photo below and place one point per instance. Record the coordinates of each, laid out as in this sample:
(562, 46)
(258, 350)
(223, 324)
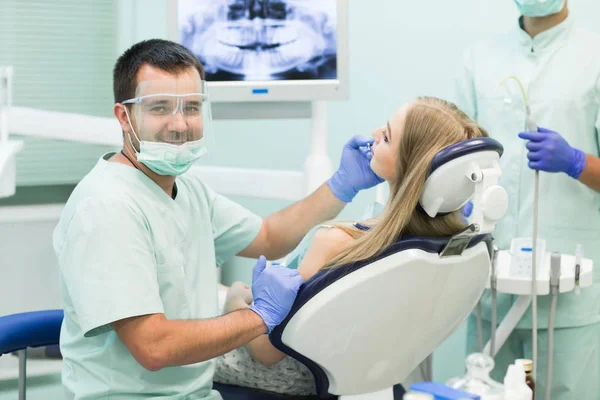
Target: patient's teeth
(260, 47)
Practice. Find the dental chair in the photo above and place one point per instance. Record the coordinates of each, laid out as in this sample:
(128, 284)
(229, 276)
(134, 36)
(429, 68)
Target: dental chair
(363, 327)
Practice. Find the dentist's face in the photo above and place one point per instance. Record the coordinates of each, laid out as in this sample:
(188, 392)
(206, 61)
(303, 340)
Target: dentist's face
(161, 117)
(387, 143)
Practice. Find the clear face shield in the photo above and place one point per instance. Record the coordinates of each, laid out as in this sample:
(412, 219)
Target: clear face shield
(171, 124)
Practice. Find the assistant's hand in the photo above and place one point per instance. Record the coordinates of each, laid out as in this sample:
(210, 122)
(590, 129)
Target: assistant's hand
(354, 173)
(467, 210)
(550, 152)
(274, 290)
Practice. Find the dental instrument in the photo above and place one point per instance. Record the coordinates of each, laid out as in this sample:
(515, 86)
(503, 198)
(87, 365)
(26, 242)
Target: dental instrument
(494, 288)
(479, 328)
(578, 257)
(554, 288)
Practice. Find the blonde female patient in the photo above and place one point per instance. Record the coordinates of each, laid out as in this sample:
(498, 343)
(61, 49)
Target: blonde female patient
(403, 150)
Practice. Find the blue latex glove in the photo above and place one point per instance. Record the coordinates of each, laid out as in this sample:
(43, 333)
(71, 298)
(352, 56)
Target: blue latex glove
(354, 172)
(467, 210)
(274, 290)
(549, 151)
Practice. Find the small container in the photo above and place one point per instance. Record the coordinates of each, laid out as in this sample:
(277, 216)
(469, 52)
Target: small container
(528, 367)
(515, 387)
(477, 379)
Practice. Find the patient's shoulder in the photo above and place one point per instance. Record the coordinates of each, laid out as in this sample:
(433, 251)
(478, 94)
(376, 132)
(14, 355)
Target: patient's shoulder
(326, 243)
(331, 237)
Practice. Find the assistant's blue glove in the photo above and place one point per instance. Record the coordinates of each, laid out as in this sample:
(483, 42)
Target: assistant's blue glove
(274, 290)
(467, 210)
(354, 172)
(549, 151)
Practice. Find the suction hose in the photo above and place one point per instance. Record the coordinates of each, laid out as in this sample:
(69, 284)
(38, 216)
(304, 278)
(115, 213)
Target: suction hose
(532, 127)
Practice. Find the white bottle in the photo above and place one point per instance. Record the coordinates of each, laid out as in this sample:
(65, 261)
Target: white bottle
(515, 387)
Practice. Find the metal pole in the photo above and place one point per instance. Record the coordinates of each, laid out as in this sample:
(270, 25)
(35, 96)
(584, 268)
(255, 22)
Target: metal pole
(22, 373)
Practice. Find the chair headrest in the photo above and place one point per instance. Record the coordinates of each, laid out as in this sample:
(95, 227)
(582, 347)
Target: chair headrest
(465, 171)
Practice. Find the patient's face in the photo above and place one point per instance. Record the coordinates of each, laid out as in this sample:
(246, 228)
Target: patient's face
(386, 147)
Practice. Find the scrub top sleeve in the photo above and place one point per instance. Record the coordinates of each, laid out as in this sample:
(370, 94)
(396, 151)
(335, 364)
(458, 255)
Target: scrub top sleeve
(234, 227)
(108, 265)
(465, 94)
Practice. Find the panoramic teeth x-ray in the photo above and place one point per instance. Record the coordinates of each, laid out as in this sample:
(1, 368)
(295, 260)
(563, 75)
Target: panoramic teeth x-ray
(255, 40)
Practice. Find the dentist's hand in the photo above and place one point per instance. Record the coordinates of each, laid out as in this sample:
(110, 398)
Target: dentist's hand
(354, 172)
(274, 290)
(550, 152)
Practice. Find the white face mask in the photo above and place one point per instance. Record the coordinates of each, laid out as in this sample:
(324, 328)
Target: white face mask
(539, 8)
(166, 158)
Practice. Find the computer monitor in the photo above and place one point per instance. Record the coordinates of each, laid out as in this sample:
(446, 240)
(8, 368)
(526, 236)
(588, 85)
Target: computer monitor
(267, 50)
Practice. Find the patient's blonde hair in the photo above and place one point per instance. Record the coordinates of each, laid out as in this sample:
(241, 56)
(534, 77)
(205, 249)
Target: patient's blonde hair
(431, 124)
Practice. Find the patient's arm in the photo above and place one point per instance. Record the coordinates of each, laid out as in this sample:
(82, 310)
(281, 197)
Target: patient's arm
(326, 244)
(239, 296)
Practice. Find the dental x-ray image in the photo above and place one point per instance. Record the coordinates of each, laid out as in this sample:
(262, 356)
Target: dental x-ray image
(261, 40)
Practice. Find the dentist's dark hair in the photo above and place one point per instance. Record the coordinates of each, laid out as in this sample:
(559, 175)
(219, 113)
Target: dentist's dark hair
(168, 56)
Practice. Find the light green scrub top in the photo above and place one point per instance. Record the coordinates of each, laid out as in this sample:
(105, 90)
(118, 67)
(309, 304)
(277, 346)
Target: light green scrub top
(560, 71)
(125, 248)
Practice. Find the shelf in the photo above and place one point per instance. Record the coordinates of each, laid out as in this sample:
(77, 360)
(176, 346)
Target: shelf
(521, 285)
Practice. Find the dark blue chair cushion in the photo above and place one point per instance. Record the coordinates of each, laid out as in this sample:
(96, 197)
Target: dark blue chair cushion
(463, 148)
(30, 329)
(323, 279)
